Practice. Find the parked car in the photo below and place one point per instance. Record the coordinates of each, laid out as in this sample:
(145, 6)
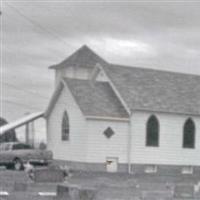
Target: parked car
(16, 154)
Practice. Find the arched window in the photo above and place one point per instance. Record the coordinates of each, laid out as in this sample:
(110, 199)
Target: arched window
(189, 134)
(65, 126)
(152, 132)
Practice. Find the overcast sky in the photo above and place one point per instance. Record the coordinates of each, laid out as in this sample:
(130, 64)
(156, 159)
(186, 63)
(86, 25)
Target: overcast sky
(37, 34)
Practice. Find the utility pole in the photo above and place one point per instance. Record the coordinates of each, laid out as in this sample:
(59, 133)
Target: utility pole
(32, 134)
(27, 132)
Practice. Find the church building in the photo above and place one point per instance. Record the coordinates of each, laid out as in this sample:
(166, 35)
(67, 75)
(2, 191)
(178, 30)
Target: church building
(109, 117)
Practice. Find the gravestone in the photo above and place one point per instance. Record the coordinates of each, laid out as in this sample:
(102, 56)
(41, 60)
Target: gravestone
(184, 191)
(85, 194)
(74, 192)
(20, 187)
(197, 187)
(63, 192)
(48, 175)
(4, 195)
(157, 195)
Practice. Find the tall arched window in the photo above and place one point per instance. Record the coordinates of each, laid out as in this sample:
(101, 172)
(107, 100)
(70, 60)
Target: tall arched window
(65, 126)
(189, 134)
(152, 132)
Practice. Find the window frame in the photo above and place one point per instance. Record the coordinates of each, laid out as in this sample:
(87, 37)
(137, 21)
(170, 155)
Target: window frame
(184, 145)
(187, 170)
(150, 144)
(65, 127)
(151, 169)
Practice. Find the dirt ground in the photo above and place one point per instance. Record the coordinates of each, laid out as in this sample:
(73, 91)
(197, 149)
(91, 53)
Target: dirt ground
(109, 186)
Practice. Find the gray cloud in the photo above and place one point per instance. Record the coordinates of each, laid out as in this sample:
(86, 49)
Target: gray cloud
(159, 35)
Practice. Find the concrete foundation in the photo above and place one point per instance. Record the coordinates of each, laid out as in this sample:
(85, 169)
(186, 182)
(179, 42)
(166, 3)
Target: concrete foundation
(168, 170)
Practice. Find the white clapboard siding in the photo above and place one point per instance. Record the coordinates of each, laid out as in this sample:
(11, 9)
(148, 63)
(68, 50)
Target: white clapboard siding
(99, 146)
(75, 148)
(88, 144)
(170, 150)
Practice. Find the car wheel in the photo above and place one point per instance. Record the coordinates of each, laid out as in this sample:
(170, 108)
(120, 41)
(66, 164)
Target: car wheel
(18, 165)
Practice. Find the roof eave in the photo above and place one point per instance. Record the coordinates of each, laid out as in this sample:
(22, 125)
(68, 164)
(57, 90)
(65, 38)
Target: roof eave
(52, 67)
(53, 99)
(122, 119)
(118, 94)
(164, 111)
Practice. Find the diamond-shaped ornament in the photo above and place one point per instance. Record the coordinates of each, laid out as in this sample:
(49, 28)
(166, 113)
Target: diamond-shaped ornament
(109, 132)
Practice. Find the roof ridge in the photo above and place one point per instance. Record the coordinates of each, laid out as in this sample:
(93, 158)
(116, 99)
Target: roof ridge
(152, 69)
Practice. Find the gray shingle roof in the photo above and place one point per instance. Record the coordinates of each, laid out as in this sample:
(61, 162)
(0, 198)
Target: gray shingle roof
(96, 98)
(141, 89)
(155, 90)
(83, 57)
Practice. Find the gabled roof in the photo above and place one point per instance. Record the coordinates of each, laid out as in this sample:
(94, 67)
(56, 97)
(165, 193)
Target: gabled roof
(155, 90)
(96, 98)
(140, 88)
(83, 57)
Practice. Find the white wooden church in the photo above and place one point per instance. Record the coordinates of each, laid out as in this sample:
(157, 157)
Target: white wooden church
(109, 117)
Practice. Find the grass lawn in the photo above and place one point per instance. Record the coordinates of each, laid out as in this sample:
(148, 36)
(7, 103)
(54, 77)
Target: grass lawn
(110, 186)
(8, 178)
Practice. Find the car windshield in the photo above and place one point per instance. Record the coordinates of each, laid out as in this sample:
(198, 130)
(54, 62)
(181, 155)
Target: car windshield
(21, 146)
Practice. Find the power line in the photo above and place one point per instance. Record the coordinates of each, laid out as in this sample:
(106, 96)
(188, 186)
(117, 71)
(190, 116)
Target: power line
(29, 92)
(44, 29)
(26, 91)
(35, 23)
(22, 105)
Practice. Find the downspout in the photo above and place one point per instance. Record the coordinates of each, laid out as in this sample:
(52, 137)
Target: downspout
(129, 146)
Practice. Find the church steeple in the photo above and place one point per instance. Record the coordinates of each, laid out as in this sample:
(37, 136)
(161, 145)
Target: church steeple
(83, 57)
(79, 65)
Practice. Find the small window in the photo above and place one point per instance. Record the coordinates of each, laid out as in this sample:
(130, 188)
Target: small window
(151, 169)
(112, 164)
(187, 170)
(109, 132)
(189, 134)
(152, 132)
(65, 127)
